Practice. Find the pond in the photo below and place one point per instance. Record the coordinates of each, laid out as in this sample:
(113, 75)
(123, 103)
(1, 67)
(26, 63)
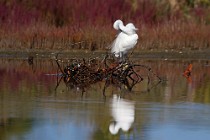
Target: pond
(34, 106)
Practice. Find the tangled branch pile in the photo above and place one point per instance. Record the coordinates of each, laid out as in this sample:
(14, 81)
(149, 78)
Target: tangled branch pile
(82, 72)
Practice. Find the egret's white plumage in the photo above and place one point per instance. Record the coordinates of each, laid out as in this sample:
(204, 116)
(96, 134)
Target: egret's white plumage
(125, 40)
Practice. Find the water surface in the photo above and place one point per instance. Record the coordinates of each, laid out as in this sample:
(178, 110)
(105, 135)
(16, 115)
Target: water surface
(32, 106)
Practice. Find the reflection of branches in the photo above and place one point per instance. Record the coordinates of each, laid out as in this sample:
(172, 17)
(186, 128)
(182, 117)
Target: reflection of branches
(58, 82)
(82, 73)
(59, 67)
(126, 74)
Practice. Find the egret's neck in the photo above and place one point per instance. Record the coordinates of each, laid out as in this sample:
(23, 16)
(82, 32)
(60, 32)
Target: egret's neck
(126, 30)
(117, 24)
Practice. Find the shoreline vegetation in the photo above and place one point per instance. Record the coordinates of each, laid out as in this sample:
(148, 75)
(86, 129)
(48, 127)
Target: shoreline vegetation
(66, 25)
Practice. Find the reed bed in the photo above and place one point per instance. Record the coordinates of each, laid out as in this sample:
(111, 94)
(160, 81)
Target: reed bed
(87, 25)
(175, 36)
(168, 36)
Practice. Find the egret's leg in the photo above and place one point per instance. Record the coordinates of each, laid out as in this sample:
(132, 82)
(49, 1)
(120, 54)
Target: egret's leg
(125, 57)
(121, 57)
(121, 54)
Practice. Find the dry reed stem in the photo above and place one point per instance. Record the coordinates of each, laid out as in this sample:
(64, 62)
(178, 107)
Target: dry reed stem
(170, 35)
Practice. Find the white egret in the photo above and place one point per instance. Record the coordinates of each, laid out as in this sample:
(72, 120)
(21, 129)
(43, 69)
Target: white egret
(123, 113)
(125, 40)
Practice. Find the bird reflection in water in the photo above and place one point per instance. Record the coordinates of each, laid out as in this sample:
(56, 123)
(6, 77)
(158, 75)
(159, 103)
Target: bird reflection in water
(123, 113)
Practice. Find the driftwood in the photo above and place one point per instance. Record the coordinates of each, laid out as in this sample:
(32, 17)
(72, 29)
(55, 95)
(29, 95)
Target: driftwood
(84, 72)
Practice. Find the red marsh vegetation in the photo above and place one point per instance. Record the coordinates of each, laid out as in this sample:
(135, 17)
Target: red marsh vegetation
(87, 24)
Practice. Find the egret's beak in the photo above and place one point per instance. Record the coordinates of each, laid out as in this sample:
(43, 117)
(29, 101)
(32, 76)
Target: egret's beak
(136, 29)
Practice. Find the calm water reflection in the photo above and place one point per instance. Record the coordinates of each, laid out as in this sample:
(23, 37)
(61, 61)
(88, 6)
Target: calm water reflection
(31, 108)
(123, 112)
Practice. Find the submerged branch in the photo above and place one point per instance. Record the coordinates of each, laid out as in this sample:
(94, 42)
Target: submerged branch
(84, 72)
